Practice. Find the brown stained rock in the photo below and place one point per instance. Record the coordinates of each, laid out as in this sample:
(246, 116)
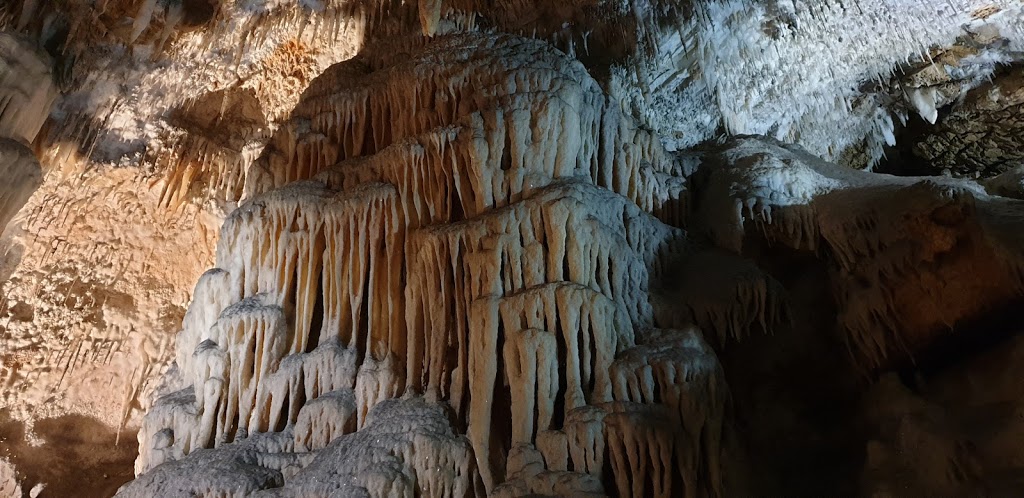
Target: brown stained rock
(983, 135)
(27, 88)
(228, 118)
(910, 258)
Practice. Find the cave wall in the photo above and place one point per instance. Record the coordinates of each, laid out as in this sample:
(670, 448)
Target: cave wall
(381, 187)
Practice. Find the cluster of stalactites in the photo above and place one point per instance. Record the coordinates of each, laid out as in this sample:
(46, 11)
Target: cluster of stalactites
(454, 265)
(513, 297)
(509, 116)
(662, 421)
(316, 253)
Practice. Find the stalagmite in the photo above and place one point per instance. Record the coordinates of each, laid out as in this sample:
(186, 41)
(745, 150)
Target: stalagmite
(238, 469)
(325, 419)
(406, 448)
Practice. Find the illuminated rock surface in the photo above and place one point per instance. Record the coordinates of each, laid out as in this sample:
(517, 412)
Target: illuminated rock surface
(454, 248)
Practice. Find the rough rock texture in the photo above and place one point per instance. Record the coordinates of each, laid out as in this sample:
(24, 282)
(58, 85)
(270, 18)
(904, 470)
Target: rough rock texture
(952, 432)
(542, 344)
(910, 256)
(22, 174)
(100, 265)
(982, 135)
(27, 91)
(458, 247)
(1007, 184)
(9, 480)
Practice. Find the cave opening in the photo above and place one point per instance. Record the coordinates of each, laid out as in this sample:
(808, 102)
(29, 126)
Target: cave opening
(198, 12)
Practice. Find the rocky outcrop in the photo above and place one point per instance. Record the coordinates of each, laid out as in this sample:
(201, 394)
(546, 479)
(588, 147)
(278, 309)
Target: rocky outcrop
(466, 261)
(908, 256)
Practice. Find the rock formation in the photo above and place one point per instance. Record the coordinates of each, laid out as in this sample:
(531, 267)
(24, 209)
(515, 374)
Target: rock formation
(27, 91)
(461, 248)
(492, 260)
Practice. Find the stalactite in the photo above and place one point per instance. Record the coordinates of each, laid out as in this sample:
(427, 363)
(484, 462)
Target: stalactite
(508, 109)
(678, 370)
(491, 252)
(642, 441)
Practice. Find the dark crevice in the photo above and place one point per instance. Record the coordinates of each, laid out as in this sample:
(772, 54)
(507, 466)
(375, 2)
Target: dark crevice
(501, 414)
(795, 392)
(900, 159)
(558, 414)
(198, 12)
(282, 421)
(317, 321)
(969, 339)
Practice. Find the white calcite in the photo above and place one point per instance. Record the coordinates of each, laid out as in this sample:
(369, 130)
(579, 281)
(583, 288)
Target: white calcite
(810, 73)
(9, 482)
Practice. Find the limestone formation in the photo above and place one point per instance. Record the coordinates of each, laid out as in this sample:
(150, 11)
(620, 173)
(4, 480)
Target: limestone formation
(9, 480)
(27, 88)
(22, 174)
(523, 277)
(508, 248)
